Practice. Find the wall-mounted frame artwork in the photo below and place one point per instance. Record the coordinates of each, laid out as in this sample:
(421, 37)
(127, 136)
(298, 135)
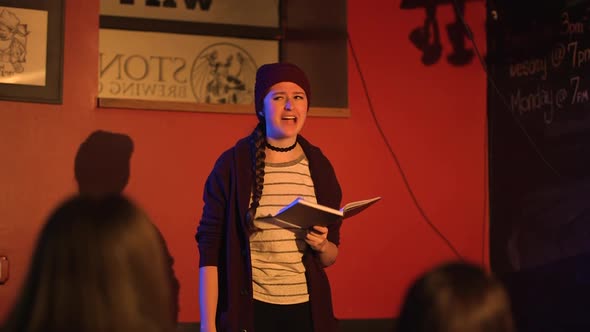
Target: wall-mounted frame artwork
(170, 55)
(31, 50)
(184, 72)
(202, 55)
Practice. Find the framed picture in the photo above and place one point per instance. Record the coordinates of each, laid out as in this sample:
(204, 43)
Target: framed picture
(205, 60)
(185, 72)
(259, 13)
(202, 55)
(31, 50)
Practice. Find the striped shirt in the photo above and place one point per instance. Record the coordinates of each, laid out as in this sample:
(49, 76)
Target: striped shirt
(278, 273)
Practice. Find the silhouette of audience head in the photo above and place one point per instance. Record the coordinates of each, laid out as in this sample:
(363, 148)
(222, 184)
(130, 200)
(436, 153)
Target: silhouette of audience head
(102, 163)
(456, 297)
(99, 266)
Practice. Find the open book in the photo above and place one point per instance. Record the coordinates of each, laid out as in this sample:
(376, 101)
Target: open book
(307, 214)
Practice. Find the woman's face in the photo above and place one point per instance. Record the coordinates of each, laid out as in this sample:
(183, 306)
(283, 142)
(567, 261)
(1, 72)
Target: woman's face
(285, 110)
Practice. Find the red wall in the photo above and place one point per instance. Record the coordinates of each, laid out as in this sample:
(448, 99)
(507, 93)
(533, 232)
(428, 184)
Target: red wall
(433, 117)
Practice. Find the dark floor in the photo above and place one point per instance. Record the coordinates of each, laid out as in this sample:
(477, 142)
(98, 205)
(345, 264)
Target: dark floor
(346, 325)
(552, 298)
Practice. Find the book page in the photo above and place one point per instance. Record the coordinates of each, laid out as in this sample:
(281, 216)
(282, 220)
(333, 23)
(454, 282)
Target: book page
(354, 208)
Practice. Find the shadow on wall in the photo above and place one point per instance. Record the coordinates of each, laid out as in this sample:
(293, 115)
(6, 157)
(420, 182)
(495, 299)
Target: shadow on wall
(102, 167)
(102, 163)
(426, 38)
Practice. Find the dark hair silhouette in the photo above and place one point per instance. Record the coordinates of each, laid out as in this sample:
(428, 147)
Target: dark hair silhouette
(102, 163)
(456, 297)
(99, 266)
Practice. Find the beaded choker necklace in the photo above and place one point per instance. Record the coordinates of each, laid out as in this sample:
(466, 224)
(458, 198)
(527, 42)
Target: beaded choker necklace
(277, 149)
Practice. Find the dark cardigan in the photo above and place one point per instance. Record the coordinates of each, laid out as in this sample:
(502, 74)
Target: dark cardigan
(223, 238)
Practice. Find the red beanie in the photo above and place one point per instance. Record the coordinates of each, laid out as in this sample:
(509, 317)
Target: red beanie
(273, 73)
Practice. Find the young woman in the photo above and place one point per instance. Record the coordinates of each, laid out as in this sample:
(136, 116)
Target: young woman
(257, 274)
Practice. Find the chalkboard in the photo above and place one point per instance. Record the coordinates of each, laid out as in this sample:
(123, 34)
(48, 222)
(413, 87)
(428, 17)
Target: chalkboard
(539, 145)
(539, 127)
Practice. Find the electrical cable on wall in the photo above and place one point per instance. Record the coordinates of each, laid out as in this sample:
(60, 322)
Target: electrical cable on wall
(469, 35)
(490, 80)
(397, 163)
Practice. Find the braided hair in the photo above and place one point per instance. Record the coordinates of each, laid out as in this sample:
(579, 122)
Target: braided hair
(257, 150)
(267, 76)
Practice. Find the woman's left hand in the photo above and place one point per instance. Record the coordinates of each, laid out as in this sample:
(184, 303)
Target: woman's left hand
(317, 238)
